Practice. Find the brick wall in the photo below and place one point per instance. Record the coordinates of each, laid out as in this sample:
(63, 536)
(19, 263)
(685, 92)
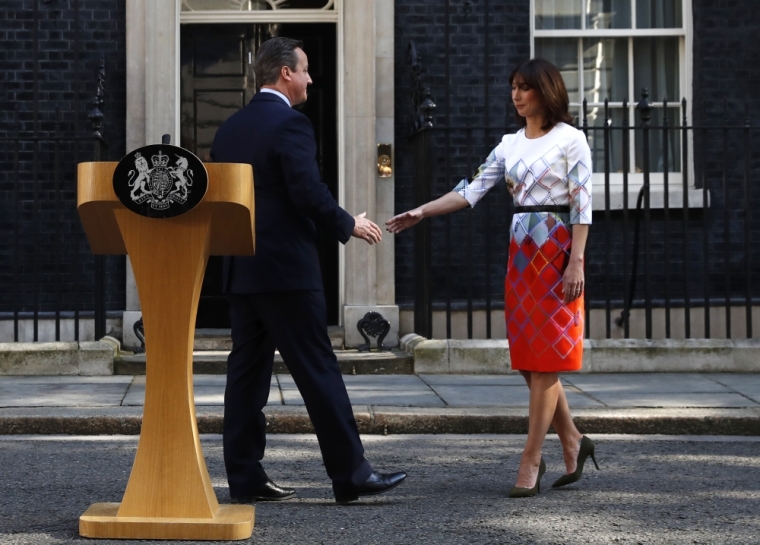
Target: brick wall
(70, 37)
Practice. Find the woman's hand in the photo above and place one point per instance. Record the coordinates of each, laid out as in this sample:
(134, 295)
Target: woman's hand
(573, 281)
(404, 221)
(449, 202)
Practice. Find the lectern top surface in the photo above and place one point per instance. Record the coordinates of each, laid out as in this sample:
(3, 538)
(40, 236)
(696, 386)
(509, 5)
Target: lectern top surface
(229, 196)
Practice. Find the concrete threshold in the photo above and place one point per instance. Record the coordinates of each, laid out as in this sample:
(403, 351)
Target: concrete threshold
(387, 420)
(599, 355)
(416, 355)
(351, 362)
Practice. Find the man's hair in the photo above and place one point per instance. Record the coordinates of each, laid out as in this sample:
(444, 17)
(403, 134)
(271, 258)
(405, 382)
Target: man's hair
(272, 56)
(546, 80)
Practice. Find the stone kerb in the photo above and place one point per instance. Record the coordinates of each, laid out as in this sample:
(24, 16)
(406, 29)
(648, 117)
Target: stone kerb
(57, 358)
(600, 356)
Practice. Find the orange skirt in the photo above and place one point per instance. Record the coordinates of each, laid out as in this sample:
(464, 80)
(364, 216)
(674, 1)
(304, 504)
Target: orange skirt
(544, 333)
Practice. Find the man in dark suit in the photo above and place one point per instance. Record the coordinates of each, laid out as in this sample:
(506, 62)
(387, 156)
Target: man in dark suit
(276, 296)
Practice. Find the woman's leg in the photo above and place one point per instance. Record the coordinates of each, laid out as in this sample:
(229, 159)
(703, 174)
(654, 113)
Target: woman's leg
(544, 392)
(562, 422)
(568, 434)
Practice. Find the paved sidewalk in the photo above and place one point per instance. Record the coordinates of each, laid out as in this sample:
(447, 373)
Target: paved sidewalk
(603, 403)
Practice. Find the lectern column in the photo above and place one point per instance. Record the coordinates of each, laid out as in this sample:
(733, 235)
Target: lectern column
(169, 258)
(169, 494)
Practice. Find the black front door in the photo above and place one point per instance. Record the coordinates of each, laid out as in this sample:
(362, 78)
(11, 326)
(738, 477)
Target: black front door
(216, 81)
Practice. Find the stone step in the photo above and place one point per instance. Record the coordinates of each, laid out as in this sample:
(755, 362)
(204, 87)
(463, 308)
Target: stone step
(219, 339)
(351, 362)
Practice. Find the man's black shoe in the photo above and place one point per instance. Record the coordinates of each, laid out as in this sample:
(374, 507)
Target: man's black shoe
(377, 483)
(268, 492)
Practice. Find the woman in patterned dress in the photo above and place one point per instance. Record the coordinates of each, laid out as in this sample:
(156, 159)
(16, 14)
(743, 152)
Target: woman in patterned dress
(547, 168)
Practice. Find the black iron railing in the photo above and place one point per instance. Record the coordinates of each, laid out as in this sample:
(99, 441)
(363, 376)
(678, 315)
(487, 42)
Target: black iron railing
(668, 257)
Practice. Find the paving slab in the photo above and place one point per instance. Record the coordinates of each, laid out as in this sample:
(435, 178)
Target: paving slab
(377, 397)
(204, 394)
(369, 382)
(61, 394)
(692, 399)
(501, 396)
(473, 380)
(219, 381)
(746, 385)
(68, 379)
(660, 383)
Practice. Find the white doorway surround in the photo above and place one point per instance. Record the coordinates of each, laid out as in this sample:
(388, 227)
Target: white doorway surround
(365, 119)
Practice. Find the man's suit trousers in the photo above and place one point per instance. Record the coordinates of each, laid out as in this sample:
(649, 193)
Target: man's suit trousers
(294, 322)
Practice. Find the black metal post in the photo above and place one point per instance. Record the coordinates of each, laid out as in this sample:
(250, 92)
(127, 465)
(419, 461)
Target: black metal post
(17, 217)
(626, 169)
(705, 260)
(56, 239)
(468, 250)
(586, 296)
(75, 246)
(608, 222)
(448, 164)
(35, 176)
(685, 183)
(747, 227)
(645, 109)
(96, 119)
(486, 113)
(666, 212)
(423, 315)
(726, 219)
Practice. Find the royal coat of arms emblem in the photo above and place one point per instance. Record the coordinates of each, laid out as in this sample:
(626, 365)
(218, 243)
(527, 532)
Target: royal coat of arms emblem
(160, 181)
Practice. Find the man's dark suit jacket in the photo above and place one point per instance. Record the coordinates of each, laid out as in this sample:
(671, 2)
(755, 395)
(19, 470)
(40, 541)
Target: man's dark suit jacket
(290, 197)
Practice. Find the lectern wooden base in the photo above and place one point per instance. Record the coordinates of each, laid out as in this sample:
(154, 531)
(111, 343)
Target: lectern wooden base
(230, 523)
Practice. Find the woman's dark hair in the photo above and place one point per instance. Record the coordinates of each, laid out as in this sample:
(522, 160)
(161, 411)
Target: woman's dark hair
(272, 56)
(543, 76)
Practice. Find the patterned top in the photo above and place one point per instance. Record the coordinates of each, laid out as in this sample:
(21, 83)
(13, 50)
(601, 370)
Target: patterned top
(554, 169)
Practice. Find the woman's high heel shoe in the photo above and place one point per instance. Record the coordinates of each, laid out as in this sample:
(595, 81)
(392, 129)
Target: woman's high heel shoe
(519, 492)
(586, 450)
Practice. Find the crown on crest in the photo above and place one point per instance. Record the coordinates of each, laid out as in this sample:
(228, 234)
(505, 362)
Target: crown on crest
(160, 160)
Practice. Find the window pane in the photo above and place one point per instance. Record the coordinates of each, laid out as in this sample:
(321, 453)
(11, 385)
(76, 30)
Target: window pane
(656, 67)
(558, 14)
(605, 69)
(595, 117)
(656, 139)
(563, 53)
(234, 5)
(608, 14)
(658, 14)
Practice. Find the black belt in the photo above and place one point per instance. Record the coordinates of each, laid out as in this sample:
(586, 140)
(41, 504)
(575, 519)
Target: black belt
(547, 208)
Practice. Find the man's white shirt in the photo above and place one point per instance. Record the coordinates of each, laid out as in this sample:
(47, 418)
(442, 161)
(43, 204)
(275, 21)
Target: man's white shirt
(275, 92)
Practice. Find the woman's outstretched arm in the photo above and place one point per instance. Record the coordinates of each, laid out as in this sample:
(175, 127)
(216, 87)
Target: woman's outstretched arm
(450, 202)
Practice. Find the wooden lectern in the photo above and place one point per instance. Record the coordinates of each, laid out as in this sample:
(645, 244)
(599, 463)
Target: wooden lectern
(169, 494)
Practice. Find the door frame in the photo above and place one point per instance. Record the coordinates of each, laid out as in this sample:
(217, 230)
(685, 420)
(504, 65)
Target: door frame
(285, 16)
(365, 118)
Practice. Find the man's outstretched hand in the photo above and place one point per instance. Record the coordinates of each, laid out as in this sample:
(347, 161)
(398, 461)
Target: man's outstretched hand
(366, 230)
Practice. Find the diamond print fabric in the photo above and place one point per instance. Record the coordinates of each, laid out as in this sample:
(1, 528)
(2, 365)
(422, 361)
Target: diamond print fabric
(544, 333)
(559, 171)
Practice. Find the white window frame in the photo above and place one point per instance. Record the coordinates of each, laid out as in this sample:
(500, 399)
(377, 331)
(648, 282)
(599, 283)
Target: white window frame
(636, 180)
